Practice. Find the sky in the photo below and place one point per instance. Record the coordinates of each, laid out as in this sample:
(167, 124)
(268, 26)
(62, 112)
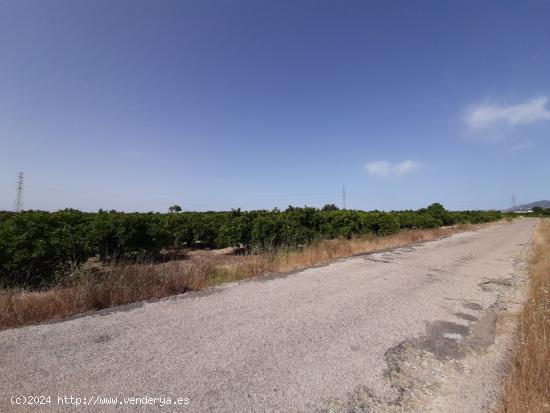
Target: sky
(212, 105)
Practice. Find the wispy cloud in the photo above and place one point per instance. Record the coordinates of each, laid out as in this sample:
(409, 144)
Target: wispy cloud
(379, 168)
(521, 146)
(406, 166)
(485, 115)
(385, 168)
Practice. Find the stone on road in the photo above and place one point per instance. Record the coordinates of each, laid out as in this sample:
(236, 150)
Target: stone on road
(421, 328)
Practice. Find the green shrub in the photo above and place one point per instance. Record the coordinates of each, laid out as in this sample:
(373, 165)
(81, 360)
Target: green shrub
(37, 248)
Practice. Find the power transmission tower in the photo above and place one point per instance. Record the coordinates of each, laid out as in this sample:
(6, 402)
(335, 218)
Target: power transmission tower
(343, 197)
(18, 206)
(513, 202)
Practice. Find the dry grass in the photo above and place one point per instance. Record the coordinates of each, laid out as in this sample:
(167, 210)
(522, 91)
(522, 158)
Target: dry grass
(100, 287)
(527, 386)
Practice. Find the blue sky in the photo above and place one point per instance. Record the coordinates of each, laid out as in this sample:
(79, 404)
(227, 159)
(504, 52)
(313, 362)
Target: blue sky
(138, 105)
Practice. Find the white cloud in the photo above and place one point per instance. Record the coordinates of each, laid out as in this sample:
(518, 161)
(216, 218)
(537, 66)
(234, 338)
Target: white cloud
(521, 146)
(486, 115)
(406, 166)
(385, 168)
(379, 168)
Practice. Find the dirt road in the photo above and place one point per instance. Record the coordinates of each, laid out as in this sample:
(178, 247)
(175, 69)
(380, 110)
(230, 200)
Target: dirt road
(421, 328)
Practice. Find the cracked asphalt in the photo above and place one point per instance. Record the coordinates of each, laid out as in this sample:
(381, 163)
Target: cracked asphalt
(421, 328)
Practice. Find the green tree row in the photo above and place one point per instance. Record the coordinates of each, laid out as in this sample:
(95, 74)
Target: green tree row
(37, 248)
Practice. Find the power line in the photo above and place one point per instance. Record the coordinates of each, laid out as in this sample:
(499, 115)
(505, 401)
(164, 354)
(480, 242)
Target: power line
(18, 206)
(253, 200)
(343, 197)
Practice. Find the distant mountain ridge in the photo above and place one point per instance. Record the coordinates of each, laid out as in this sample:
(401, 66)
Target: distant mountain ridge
(527, 207)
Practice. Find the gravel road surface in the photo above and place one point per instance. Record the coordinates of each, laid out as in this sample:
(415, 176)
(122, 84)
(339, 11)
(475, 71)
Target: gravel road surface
(420, 328)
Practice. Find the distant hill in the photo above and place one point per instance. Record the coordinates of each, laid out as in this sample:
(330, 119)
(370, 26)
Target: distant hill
(527, 207)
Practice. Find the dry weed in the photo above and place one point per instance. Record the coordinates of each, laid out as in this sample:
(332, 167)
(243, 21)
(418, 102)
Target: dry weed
(527, 386)
(96, 287)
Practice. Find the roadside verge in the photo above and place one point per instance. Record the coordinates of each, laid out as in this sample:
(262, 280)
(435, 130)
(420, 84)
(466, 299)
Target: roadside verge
(95, 288)
(527, 385)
